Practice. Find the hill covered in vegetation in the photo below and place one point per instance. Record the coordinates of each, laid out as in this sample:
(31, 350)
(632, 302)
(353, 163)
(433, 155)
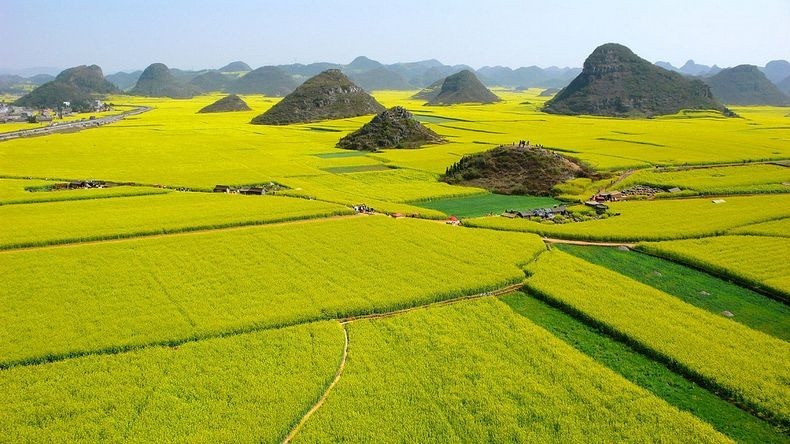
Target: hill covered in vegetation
(463, 87)
(616, 82)
(210, 81)
(158, 81)
(328, 95)
(392, 128)
(226, 104)
(745, 85)
(511, 169)
(237, 66)
(429, 92)
(267, 80)
(79, 86)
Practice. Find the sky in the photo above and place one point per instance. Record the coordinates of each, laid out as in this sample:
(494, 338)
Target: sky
(196, 34)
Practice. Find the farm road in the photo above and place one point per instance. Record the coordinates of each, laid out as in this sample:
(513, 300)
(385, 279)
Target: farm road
(72, 126)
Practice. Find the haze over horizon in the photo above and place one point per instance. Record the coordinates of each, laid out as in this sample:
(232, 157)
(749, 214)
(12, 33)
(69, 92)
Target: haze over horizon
(129, 35)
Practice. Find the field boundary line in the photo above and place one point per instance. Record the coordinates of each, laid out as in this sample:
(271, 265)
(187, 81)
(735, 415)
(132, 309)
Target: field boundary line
(176, 232)
(198, 337)
(372, 316)
(552, 240)
(325, 395)
(721, 274)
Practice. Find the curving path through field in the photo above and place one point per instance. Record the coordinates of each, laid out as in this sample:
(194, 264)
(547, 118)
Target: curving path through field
(323, 397)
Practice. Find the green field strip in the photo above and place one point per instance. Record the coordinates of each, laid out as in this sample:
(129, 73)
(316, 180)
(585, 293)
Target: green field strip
(484, 204)
(73, 300)
(692, 286)
(246, 388)
(646, 372)
(478, 372)
(756, 262)
(744, 365)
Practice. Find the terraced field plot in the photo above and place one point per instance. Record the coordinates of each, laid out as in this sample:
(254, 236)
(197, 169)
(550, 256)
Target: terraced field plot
(14, 191)
(250, 387)
(694, 287)
(648, 373)
(234, 332)
(744, 179)
(758, 261)
(656, 220)
(68, 222)
(72, 300)
(747, 364)
(485, 204)
(476, 371)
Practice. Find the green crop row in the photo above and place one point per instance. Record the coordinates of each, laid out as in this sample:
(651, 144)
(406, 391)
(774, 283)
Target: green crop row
(749, 366)
(114, 296)
(477, 372)
(695, 287)
(645, 372)
(757, 261)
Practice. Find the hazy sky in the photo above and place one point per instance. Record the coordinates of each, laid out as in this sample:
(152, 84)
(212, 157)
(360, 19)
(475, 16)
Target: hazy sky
(193, 34)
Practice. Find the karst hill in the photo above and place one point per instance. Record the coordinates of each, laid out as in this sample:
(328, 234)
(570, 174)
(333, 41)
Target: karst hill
(328, 95)
(616, 82)
(393, 128)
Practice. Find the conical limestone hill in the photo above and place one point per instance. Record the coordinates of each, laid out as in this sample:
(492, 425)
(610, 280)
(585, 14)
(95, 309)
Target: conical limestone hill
(393, 128)
(79, 86)
(328, 95)
(226, 104)
(158, 81)
(463, 87)
(616, 82)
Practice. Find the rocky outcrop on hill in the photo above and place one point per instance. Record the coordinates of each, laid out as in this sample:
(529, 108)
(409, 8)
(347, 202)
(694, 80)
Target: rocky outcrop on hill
(516, 170)
(393, 128)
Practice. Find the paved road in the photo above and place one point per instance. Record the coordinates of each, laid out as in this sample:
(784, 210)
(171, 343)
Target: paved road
(76, 125)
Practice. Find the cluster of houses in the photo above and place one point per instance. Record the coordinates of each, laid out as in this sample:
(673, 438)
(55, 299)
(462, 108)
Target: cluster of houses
(543, 213)
(21, 114)
(240, 190)
(634, 191)
(363, 209)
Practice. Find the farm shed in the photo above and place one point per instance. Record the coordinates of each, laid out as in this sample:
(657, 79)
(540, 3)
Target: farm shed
(222, 189)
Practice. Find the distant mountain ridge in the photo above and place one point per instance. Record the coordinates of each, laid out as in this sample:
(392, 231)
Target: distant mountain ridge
(158, 81)
(745, 85)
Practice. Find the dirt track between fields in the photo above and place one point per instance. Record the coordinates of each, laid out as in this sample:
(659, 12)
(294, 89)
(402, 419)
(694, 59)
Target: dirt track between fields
(550, 240)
